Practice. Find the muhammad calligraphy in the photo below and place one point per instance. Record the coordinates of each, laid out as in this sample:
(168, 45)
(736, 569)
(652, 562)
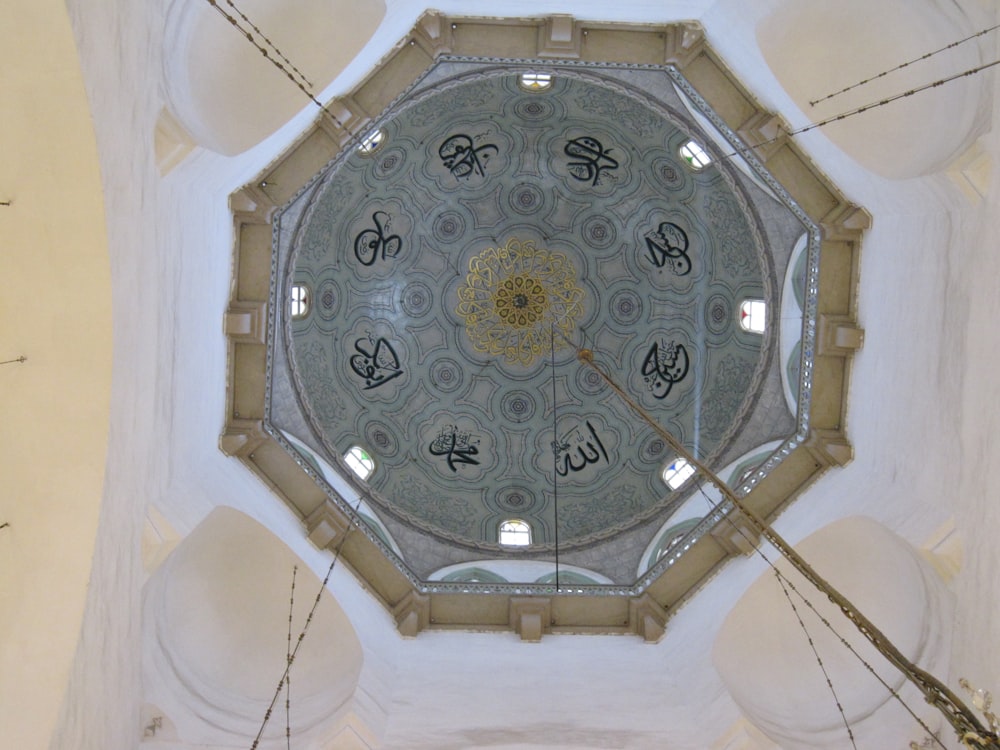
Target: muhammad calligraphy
(456, 446)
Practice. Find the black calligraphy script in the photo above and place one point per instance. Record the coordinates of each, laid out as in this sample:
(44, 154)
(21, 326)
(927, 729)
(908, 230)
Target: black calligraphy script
(377, 365)
(457, 447)
(666, 364)
(464, 159)
(593, 159)
(668, 245)
(372, 244)
(588, 449)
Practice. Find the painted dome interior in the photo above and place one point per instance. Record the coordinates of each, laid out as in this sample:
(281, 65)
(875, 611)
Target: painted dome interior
(453, 270)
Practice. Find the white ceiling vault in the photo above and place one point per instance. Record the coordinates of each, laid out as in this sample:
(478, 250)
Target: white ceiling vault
(921, 419)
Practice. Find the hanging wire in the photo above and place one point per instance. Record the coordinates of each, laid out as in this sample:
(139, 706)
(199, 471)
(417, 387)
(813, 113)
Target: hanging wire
(353, 521)
(267, 41)
(786, 582)
(289, 70)
(288, 661)
(555, 457)
(908, 63)
(819, 660)
(858, 110)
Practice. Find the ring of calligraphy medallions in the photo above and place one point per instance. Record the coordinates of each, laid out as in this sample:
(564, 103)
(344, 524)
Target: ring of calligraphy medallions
(513, 298)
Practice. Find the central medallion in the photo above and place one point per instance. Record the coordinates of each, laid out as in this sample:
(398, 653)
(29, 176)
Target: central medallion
(518, 300)
(521, 301)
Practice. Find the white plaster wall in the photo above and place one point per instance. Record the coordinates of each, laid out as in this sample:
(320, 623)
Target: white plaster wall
(922, 417)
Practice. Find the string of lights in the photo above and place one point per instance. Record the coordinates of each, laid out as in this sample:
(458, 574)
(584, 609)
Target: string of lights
(288, 658)
(857, 111)
(906, 64)
(819, 660)
(353, 521)
(278, 60)
(268, 42)
(555, 442)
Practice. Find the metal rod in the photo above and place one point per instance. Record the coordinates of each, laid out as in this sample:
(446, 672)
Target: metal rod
(970, 730)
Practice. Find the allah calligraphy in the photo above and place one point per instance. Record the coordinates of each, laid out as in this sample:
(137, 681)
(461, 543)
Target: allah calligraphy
(592, 159)
(667, 245)
(376, 361)
(666, 364)
(578, 449)
(374, 244)
(456, 446)
(463, 158)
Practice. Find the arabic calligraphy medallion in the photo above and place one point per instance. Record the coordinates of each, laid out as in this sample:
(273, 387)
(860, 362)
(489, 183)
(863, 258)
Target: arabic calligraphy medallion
(512, 298)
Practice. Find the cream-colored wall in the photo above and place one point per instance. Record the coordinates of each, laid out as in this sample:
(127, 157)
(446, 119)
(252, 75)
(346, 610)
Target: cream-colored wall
(55, 308)
(225, 93)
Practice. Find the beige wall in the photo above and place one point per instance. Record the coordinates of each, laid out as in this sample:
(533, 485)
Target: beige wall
(56, 310)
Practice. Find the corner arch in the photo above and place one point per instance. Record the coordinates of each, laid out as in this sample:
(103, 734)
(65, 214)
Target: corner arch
(814, 49)
(225, 94)
(770, 671)
(216, 615)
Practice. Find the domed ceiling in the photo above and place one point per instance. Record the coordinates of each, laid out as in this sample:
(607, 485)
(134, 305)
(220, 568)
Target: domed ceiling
(465, 269)
(455, 269)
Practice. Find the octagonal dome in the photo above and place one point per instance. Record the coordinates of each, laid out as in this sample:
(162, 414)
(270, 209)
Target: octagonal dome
(457, 269)
(432, 287)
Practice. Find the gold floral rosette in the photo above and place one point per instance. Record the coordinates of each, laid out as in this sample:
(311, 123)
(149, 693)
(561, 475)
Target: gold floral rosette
(518, 300)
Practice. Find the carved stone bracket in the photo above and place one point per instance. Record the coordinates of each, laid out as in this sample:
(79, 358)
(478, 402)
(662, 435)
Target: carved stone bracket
(432, 33)
(326, 526)
(242, 437)
(252, 204)
(845, 222)
(246, 322)
(838, 336)
(530, 616)
(647, 618)
(412, 613)
(765, 134)
(831, 447)
(559, 37)
(736, 535)
(684, 42)
(354, 121)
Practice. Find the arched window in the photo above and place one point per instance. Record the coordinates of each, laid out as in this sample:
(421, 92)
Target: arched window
(535, 81)
(359, 461)
(299, 301)
(515, 533)
(695, 155)
(372, 142)
(753, 315)
(674, 536)
(474, 575)
(677, 473)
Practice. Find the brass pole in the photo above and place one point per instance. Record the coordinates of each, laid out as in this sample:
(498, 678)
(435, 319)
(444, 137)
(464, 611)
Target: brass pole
(971, 731)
